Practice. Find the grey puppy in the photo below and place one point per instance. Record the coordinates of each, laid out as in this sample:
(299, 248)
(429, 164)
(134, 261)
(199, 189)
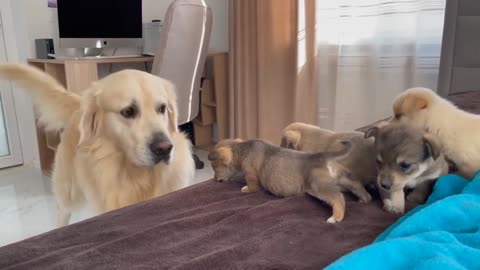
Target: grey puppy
(286, 172)
(310, 138)
(409, 158)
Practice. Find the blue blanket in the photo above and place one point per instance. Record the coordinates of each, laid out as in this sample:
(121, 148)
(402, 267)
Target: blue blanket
(442, 234)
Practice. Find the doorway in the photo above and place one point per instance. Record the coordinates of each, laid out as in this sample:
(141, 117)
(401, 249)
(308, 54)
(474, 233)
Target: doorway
(10, 148)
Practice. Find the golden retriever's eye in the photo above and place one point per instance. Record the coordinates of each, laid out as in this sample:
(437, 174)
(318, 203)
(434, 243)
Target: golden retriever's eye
(162, 108)
(129, 112)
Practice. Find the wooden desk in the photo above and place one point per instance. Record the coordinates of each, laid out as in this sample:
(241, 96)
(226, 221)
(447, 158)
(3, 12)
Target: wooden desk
(77, 75)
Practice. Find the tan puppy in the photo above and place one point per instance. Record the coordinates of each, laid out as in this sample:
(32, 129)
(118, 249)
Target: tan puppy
(308, 138)
(457, 131)
(120, 144)
(286, 172)
(407, 158)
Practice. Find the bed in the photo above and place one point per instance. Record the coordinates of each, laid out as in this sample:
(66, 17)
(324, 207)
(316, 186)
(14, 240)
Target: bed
(214, 226)
(211, 225)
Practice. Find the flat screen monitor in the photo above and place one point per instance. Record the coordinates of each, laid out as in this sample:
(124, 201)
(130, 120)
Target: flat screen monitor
(100, 23)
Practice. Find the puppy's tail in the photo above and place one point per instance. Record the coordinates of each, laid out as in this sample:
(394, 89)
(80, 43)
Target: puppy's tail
(343, 153)
(54, 104)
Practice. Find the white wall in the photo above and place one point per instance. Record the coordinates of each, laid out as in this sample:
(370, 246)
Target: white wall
(42, 21)
(22, 100)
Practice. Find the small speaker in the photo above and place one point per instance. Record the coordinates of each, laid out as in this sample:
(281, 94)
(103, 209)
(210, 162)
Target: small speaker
(44, 47)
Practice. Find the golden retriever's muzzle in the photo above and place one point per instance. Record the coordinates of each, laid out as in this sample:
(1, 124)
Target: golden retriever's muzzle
(160, 148)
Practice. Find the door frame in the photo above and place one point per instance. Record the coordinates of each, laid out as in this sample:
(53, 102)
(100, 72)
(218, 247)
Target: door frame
(8, 103)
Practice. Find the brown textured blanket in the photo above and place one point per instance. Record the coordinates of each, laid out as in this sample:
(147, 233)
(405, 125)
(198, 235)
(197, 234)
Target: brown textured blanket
(209, 226)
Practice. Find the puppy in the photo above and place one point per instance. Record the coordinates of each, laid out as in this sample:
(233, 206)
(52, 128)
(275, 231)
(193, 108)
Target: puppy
(285, 172)
(409, 158)
(308, 138)
(458, 132)
(120, 143)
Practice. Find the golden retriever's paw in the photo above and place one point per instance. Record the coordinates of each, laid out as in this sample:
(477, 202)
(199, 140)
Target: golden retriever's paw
(332, 220)
(365, 199)
(245, 189)
(390, 207)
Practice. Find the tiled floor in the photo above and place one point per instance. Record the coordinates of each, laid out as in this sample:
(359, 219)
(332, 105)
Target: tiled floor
(27, 205)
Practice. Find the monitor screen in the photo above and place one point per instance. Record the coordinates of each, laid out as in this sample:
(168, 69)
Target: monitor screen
(100, 18)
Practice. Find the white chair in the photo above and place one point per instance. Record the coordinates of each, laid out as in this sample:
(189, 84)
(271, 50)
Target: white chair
(182, 53)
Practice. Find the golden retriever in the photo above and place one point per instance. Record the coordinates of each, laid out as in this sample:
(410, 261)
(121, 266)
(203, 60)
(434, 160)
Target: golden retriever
(120, 143)
(457, 131)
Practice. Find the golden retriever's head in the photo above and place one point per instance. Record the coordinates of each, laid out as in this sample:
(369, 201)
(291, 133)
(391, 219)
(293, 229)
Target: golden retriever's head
(134, 110)
(412, 106)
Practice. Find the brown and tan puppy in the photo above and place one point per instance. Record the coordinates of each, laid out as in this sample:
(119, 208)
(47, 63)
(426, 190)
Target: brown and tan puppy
(457, 131)
(407, 157)
(286, 172)
(308, 138)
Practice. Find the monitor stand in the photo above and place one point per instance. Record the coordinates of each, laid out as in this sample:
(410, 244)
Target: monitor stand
(81, 52)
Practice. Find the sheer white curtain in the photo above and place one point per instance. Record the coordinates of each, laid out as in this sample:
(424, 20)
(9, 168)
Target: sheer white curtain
(368, 51)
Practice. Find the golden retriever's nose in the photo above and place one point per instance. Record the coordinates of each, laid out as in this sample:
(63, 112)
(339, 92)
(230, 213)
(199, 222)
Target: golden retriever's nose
(161, 147)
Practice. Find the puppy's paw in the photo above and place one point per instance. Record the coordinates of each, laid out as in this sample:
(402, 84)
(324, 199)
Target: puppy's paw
(416, 197)
(331, 220)
(390, 207)
(365, 199)
(245, 189)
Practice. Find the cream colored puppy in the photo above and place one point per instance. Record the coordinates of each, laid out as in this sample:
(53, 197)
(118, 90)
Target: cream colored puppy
(120, 143)
(457, 131)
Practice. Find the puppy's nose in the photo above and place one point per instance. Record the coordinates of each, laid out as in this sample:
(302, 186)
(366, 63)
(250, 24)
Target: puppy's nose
(160, 146)
(386, 184)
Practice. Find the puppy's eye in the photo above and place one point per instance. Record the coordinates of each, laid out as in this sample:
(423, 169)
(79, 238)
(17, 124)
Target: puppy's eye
(398, 116)
(404, 166)
(129, 112)
(162, 108)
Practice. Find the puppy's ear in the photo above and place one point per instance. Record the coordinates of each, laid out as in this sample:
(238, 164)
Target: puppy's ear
(371, 132)
(90, 123)
(223, 153)
(410, 102)
(171, 106)
(431, 147)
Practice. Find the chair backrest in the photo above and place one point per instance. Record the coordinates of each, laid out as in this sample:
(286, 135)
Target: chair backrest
(182, 52)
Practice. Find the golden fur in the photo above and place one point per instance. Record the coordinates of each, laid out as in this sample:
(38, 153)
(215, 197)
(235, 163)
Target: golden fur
(103, 157)
(457, 131)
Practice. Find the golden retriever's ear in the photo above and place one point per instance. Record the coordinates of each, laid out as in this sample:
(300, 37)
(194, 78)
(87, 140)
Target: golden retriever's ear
(224, 154)
(171, 106)
(90, 119)
(432, 148)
